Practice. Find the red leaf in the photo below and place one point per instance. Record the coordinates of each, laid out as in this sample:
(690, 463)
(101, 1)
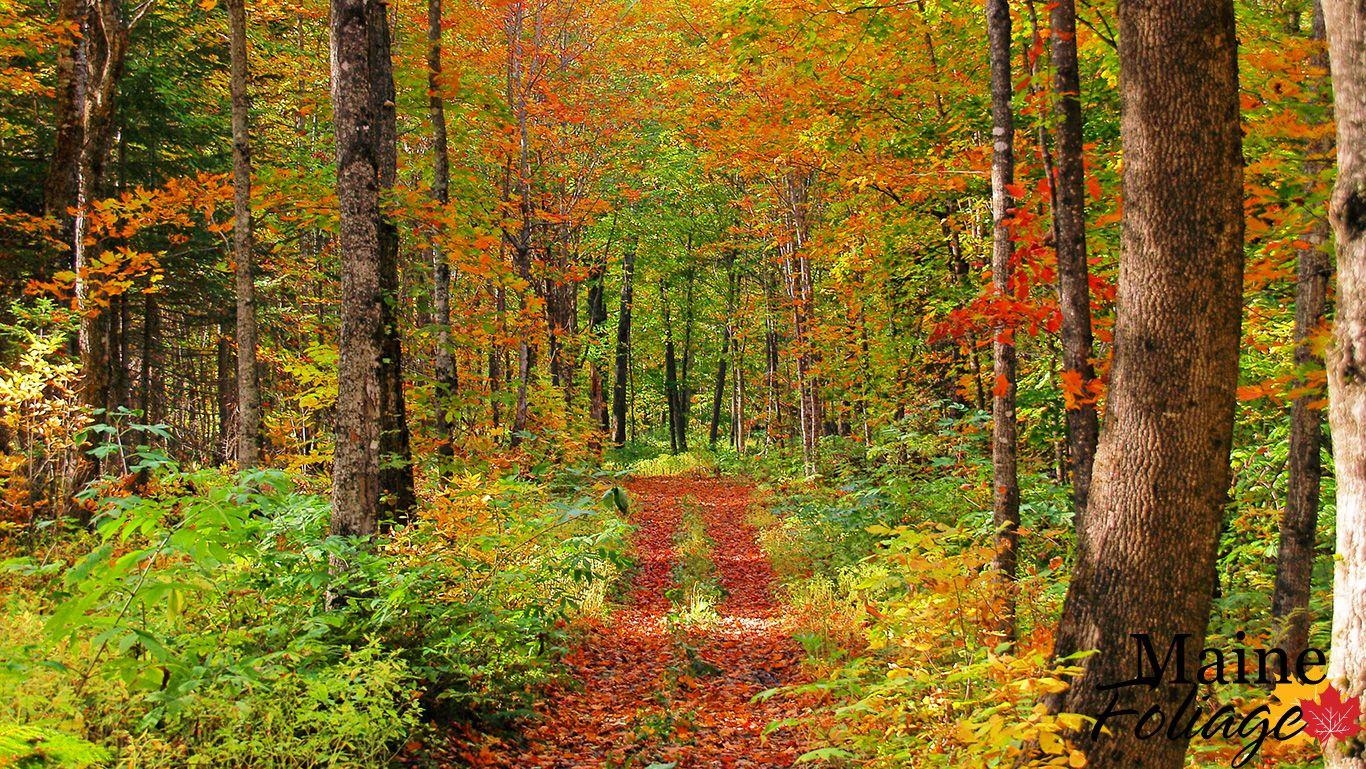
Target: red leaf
(1331, 717)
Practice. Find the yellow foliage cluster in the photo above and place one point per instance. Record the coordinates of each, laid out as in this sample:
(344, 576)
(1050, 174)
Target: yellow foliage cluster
(40, 417)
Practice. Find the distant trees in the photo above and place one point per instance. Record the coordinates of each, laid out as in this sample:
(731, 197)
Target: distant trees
(1162, 468)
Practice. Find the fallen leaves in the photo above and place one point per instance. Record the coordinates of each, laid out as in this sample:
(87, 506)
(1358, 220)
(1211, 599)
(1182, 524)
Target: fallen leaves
(638, 700)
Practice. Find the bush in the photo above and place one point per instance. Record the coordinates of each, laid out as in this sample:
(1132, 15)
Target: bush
(207, 623)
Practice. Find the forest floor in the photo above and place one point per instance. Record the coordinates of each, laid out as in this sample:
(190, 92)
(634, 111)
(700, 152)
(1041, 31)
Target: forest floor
(659, 685)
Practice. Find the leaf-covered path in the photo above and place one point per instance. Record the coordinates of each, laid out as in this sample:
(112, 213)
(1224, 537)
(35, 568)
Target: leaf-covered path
(650, 693)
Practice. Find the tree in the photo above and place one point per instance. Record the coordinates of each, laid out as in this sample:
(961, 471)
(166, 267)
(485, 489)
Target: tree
(1299, 521)
(356, 490)
(441, 268)
(1162, 467)
(1005, 483)
(248, 380)
(397, 496)
(1345, 21)
(1069, 223)
(621, 373)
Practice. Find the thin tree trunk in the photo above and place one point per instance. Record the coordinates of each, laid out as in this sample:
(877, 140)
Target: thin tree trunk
(1069, 223)
(678, 440)
(623, 355)
(441, 268)
(1005, 483)
(356, 462)
(248, 381)
(597, 318)
(1162, 475)
(227, 396)
(1345, 21)
(1299, 522)
(397, 495)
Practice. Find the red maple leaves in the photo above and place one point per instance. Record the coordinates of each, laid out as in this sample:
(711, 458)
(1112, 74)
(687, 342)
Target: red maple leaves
(1331, 717)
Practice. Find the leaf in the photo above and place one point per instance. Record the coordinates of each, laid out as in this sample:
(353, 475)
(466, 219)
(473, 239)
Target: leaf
(1331, 718)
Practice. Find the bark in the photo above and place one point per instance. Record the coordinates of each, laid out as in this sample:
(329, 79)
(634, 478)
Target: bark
(1161, 473)
(441, 268)
(248, 381)
(1005, 483)
(673, 390)
(597, 318)
(623, 354)
(1345, 21)
(356, 461)
(801, 293)
(1299, 521)
(397, 495)
(227, 397)
(1069, 224)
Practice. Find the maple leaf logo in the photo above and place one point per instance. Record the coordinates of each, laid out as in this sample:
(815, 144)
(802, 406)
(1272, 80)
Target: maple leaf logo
(1331, 717)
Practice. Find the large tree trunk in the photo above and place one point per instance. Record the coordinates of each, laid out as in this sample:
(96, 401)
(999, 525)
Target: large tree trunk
(1005, 483)
(397, 495)
(1162, 467)
(356, 462)
(1299, 522)
(1346, 25)
(1069, 223)
(248, 381)
(441, 268)
(94, 64)
(620, 380)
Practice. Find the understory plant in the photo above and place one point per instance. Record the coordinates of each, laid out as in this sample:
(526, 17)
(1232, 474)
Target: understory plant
(212, 621)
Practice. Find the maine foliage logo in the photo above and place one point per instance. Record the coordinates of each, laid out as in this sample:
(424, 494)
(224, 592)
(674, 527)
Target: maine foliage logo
(1302, 705)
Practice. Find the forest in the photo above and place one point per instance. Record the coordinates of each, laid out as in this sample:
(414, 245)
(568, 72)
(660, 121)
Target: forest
(659, 384)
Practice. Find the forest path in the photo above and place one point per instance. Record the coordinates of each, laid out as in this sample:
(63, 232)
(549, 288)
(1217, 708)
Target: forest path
(654, 690)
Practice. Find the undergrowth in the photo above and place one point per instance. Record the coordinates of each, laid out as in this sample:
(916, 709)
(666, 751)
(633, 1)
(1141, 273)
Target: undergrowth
(193, 627)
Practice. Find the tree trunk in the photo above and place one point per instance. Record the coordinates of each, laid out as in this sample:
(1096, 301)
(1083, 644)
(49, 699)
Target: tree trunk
(1345, 21)
(1295, 557)
(441, 268)
(397, 496)
(676, 418)
(248, 381)
(356, 461)
(623, 356)
(1005, 483)
(227, 396)
(1162, 467)
(723, 358)
(1069, 222)
(597, 317)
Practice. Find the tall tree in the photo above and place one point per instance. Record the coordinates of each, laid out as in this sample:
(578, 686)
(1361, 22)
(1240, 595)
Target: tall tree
(1005, 482)
(89, 67)
(441, 268)
(356, 461)
(248, 380)
(1069, 224)
(1299, 521)
(621, 373)
(1345, 21)
(1162, 467)
(397, 495)
(724, 354)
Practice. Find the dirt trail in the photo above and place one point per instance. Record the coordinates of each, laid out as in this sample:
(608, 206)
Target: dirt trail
(649, 695)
